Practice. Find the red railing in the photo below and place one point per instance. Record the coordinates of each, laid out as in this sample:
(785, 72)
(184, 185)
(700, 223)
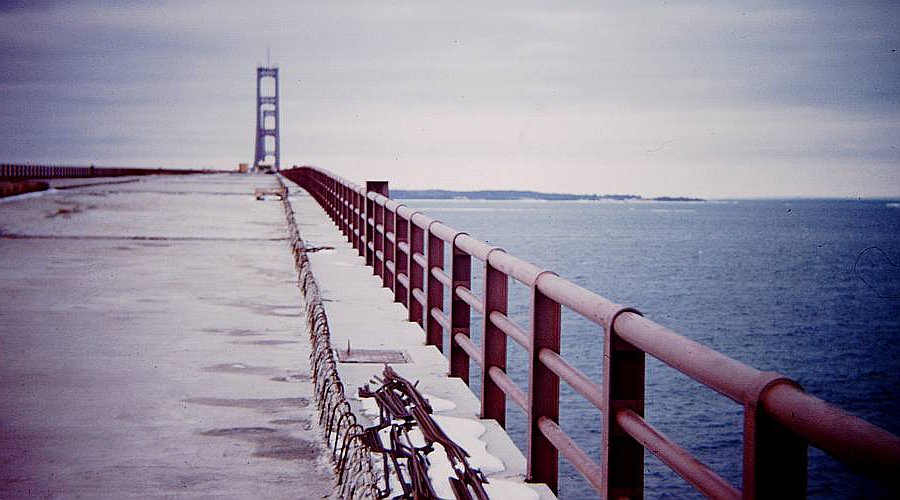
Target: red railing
(10, 172)
(406, 249)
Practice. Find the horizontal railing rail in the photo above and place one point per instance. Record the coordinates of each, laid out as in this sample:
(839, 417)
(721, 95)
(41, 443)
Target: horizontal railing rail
(406, 249)
(13, 171)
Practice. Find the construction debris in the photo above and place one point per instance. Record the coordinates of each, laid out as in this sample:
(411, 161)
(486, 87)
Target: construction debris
(279, 193)
(406, 434)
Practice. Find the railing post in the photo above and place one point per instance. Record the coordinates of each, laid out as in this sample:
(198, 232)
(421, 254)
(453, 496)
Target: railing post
(348, 215)
(493, 399)
(332, 196)
(332, 204)
(369, 218)
(416, 275)
(378, 262)
(390, 252)
(351, 217)
(775, 459)
(622, 458)
(460, 314)
(320, 191)
(342, 196)
(434, 332)
(358, 228)
(401, 261)
(360, 220)
(543, 387)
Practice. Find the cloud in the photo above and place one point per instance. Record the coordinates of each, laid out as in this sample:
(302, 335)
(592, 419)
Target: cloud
(582, 96)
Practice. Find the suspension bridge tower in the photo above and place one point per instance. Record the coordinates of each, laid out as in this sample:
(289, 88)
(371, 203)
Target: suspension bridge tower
(268, 151)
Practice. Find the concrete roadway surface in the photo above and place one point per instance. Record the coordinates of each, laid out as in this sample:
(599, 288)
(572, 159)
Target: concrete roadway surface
(152, 344)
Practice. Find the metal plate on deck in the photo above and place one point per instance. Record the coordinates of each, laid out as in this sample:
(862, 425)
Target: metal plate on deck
(379, 356)
(264, 193)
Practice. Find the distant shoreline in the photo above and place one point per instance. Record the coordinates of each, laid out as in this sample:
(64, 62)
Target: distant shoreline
(443, 194)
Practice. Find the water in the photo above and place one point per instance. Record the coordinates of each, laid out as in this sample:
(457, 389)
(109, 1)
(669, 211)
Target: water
(808, 288)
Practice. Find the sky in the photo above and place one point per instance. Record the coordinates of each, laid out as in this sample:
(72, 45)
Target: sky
(713, 99)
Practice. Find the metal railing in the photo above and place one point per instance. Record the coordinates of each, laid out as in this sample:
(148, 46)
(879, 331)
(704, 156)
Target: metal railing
(406, 249)
(10, 172)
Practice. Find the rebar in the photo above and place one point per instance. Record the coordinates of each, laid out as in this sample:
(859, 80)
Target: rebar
(354, 474)
(402, 408)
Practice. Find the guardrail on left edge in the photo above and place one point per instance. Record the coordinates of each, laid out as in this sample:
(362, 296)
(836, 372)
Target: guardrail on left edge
(16, 172)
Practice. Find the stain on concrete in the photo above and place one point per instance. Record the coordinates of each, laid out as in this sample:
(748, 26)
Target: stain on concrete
(267, 272)
(184, 481)
(69, 208)
(303, 422)
(150, 300)
(234, 332)
(268, 309)
(239, 431)
(272, 372)
(282, 447)
(271, 443)
(65, 212)
(265, 405)
(291, 377)
(263, 342)
(241, 368)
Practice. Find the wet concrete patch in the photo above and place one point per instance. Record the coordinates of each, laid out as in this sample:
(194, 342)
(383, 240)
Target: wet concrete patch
(303, 422)
(64, 212)
(271, 443)
(263, 342)
(234, 332)
(150, 300)
(69, 209)
(268, 309)
(283, 447)
(266, 405)
(239, 431)
(272, 372)
(294, 377)
(241, 368)
(267, 272)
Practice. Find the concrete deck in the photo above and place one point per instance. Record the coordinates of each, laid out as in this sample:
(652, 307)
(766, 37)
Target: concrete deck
(152, 344)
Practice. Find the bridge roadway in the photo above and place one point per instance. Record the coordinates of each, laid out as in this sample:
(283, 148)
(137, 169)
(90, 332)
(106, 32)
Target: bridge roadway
(152, 344)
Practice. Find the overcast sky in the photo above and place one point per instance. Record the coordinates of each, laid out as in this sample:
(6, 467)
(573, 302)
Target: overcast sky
(713, 99)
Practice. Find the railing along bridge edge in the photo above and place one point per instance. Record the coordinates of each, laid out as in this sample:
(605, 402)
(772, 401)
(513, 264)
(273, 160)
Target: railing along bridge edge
(406, 249)
(16, 172)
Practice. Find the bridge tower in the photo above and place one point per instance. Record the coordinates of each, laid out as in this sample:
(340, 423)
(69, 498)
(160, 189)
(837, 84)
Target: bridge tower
(267, 120)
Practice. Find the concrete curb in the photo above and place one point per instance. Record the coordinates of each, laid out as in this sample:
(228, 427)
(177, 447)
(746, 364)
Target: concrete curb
(350, 459)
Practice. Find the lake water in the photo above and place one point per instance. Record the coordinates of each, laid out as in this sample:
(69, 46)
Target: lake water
(808, 288)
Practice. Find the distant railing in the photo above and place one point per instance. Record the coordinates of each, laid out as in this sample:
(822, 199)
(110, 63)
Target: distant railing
(406, 249)
(12, 172)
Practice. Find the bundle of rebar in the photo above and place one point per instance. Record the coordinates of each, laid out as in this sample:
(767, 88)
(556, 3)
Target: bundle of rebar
(403, 411)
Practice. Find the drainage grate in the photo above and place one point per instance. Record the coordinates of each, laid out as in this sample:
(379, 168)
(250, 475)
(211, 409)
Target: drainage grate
(379, 356)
